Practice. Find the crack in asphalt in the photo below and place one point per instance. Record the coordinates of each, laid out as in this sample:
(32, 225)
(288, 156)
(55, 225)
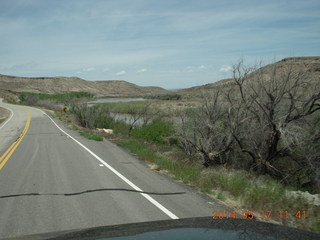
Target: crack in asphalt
(89, 191)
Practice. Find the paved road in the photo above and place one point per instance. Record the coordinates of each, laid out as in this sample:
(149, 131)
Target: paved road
(56, 180)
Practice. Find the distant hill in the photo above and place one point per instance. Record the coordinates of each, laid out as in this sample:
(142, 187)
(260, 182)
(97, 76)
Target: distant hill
(74, 84)
(208, 86)
(308, 65)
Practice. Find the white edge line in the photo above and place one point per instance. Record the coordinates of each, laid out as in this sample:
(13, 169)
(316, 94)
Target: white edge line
(135, 187)
(11, 115)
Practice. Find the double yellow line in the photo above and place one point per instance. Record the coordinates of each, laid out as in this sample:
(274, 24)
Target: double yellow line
(5, 157)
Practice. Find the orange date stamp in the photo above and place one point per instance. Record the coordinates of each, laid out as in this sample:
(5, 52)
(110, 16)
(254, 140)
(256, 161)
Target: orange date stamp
(262, 214)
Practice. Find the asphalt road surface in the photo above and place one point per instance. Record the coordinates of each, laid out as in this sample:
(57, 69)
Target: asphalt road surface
(52, 179)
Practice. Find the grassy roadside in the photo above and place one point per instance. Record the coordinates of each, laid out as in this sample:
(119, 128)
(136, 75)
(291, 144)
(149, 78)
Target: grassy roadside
(241, 190)
(69, 120)
(91, 136)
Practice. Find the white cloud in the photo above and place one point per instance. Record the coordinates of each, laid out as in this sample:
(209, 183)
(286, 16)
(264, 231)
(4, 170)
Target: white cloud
(106, 70)
(225, 68)
(121, 73)
(190, 69)
(202, 67)
(142, 70)
(89, 69)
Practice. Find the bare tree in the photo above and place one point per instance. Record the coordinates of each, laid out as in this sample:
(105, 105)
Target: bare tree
(263, 107)
(269, 118)
(143, 115)
(304, 142)
(204, 131)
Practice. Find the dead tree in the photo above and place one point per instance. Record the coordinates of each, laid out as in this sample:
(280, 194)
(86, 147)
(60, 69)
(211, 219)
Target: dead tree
(263, 107)
(204, 131)
(268, 120)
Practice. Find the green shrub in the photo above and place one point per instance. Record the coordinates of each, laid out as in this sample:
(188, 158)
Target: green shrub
(125, 107)
(265, 193)
(237, 185)
(102, 120)
(172, 96)
(221, 196)
(26, 97)
(157, 131)
(120, 127)
(140, 149)
(92, 117)
(91, 136)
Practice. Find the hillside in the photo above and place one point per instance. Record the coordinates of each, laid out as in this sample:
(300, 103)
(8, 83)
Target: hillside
(208, 86)
(309, 65)
(74, 84)
(305, 65)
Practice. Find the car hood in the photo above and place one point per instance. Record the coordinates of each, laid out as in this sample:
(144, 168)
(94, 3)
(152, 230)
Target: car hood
(189, 228)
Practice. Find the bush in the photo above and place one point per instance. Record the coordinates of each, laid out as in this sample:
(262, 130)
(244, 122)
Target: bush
(29, 99)
(25, 97)
(172, 96)
(157, 131)
(121, 128)
(102, 120)
(92, 117)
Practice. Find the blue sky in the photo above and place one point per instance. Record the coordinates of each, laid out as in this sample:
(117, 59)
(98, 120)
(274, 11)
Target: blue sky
(167, 43)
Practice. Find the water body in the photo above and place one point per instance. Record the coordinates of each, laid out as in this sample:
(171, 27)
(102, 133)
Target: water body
(109, 100)
(124, 117)
(129, 119)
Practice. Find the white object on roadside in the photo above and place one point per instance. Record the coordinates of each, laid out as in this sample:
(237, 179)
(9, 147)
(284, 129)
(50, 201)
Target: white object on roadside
(109, 131)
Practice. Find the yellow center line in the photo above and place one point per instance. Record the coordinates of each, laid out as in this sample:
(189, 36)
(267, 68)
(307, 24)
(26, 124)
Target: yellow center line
(5, 157)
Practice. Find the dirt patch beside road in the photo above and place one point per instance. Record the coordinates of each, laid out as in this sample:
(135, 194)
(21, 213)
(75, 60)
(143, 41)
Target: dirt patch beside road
(4, 114)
